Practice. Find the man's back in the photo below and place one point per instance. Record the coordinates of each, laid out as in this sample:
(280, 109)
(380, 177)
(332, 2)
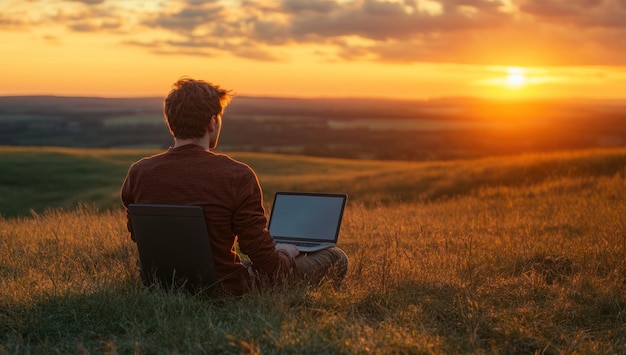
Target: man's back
(229, 193)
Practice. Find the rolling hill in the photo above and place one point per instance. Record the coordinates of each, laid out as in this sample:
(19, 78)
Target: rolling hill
(50, 177)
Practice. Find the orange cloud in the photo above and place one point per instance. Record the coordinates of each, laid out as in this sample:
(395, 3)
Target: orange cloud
(506, 32)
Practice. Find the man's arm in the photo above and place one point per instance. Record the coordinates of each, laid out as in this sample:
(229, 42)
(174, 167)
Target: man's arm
(127, 199)
(250, 225)
(290, 249)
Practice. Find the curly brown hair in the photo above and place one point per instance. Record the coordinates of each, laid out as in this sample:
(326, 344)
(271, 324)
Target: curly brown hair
(190, 105)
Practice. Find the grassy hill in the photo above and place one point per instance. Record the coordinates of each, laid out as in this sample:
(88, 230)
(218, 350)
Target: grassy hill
(519, 254)
(36, 178)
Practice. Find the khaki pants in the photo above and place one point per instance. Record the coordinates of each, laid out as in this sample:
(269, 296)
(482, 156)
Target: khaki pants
(312, 268)
(329, 264)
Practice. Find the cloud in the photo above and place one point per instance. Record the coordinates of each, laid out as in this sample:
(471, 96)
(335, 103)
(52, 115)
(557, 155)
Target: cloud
(581, 13)
(383, 21)
(88, 2)
(187, 19)
(300, 6)
(254, 52)
(199, 2)
(15, 16)
(95, 26)
(558, 8)
(92, 19)
(8, 22)
(402, 31)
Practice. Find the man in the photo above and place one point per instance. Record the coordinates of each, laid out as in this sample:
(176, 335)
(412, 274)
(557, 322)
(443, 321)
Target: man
(189, 173)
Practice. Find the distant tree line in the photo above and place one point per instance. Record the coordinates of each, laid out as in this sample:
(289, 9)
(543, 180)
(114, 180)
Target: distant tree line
(299, 127)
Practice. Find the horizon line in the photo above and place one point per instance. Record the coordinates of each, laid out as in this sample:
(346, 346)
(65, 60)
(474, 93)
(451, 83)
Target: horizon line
(355, 98)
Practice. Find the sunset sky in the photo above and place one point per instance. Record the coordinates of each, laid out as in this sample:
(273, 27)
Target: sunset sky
(306, 48)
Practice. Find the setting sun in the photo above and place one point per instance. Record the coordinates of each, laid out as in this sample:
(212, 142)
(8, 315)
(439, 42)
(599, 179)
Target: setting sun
(516, 77)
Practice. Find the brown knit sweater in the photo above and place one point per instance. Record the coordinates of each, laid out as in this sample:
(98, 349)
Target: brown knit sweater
(230, 194)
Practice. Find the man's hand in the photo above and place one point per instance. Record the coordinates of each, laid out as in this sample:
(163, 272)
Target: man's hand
(289, 248)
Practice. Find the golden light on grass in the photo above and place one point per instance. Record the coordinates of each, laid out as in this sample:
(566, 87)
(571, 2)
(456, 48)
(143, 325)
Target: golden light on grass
(466, 259)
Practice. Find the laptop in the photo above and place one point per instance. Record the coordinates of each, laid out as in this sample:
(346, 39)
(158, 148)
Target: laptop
(310, 221)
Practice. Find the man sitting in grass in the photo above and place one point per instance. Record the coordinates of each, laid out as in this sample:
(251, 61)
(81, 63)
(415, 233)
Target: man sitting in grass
(189, 173)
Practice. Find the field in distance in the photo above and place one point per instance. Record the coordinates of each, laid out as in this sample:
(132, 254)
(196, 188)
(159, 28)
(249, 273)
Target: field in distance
(517, 255)
(378, 129)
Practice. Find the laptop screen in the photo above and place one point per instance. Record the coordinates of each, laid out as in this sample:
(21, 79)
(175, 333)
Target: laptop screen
(307, 215)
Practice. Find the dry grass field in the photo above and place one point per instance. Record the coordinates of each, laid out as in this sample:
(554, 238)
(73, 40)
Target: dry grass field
(514, 255)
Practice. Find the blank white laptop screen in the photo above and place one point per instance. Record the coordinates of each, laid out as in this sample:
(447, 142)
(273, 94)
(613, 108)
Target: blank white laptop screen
(308, 217)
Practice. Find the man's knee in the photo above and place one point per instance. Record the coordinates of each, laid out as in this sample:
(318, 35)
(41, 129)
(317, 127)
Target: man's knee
(331, 263)
(340, 264)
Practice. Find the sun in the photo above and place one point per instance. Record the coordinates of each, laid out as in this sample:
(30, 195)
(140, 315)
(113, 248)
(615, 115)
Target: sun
(516, 77)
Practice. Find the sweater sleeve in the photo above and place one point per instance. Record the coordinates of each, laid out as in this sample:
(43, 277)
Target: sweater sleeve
(127, 199)
(250, 225)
